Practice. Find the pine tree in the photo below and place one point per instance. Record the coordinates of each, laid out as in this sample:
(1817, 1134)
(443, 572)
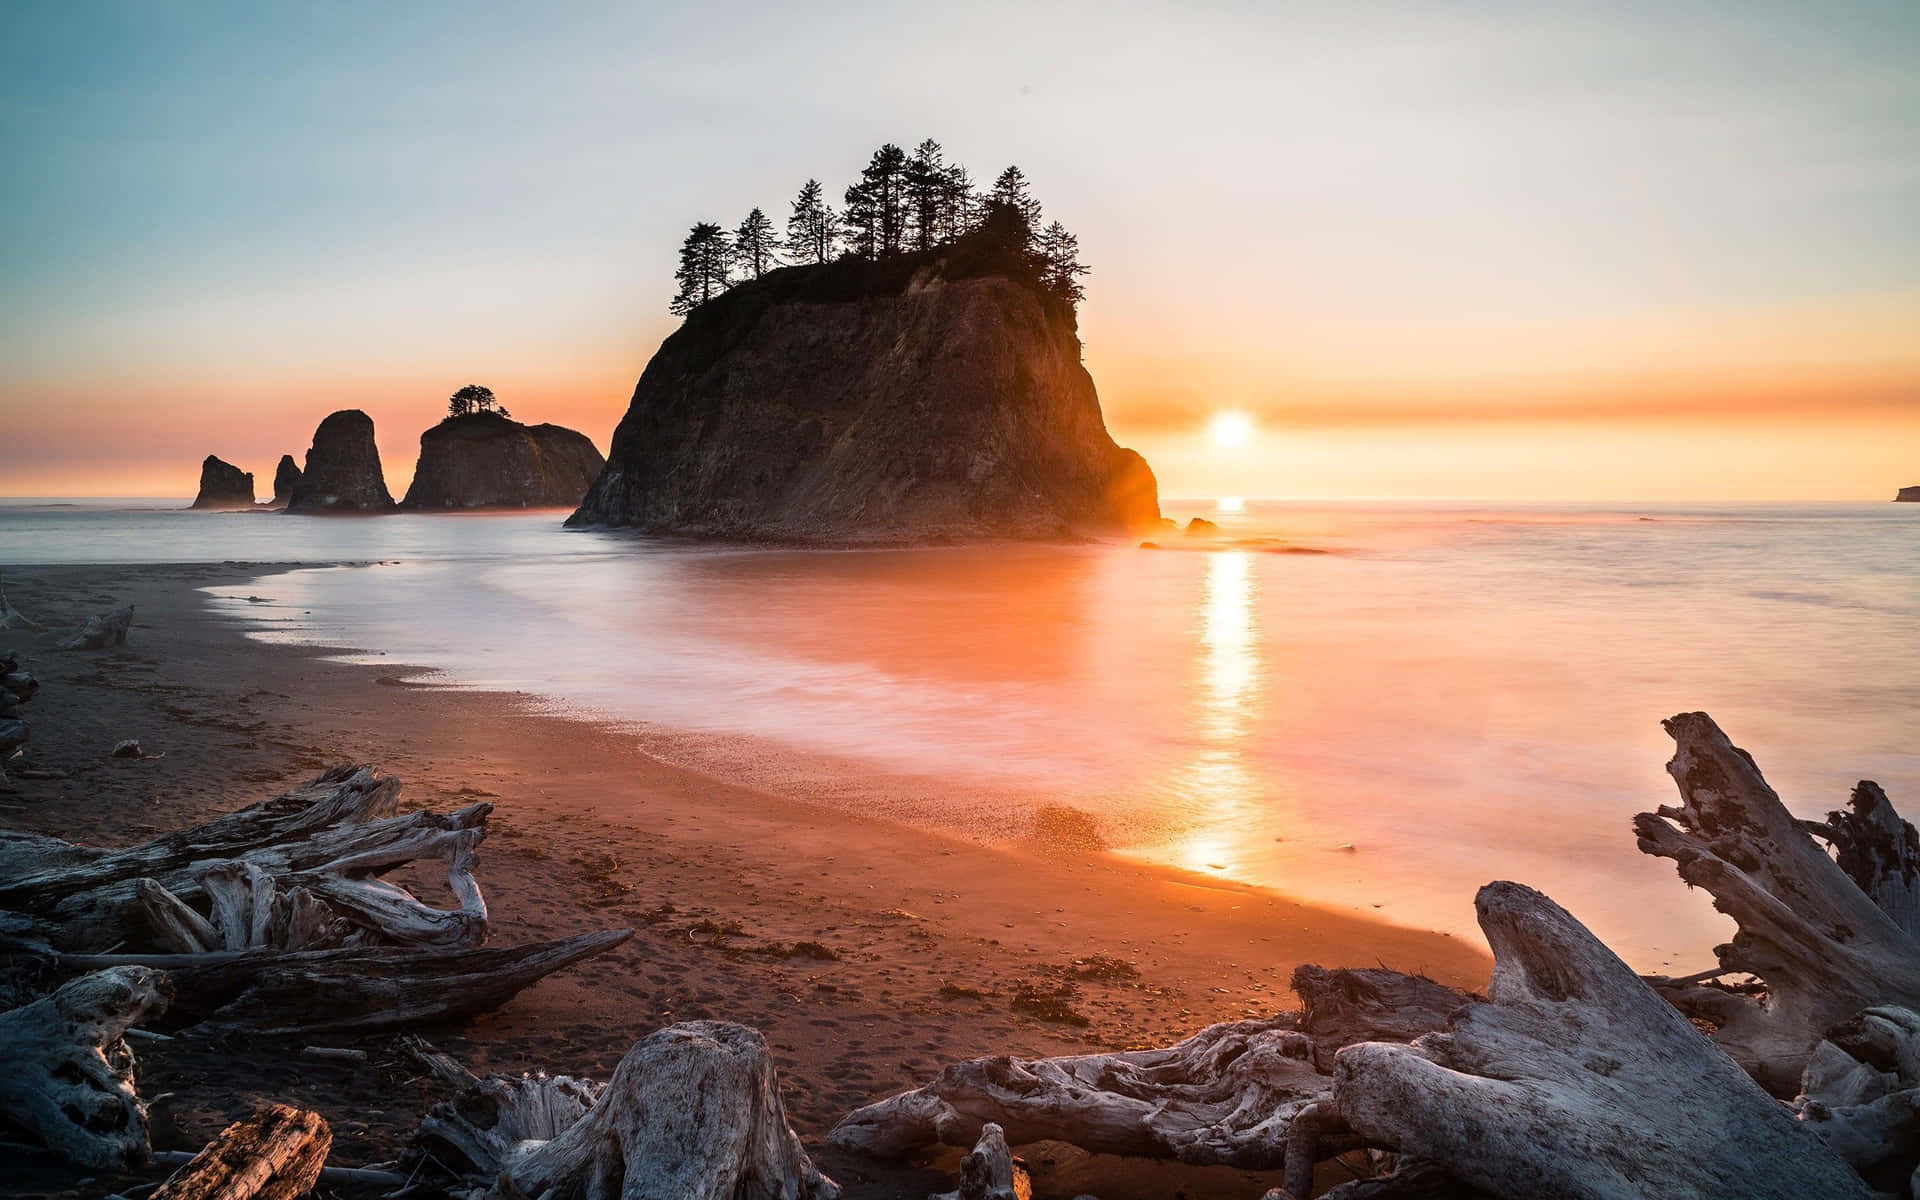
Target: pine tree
(959, 207)
(704, 259)
(812, 227)
(755, 244)
(1060, 265)
(883, 187)
(926, 178)
(861, 220)
(1012, 190)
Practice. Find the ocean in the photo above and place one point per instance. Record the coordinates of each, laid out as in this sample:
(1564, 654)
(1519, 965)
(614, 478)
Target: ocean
(1376, 707)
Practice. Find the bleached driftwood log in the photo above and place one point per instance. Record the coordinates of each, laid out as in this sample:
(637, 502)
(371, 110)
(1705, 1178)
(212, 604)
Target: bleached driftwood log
(693, 1112)
(102, 632)
(1579, 1081)
(274, 1155)
(68, 1075)
(1861, 1094)
(990, 1171)
(308, 992)
(1823, 947)
(326, 841)
(1228, 1094)
(79, 884)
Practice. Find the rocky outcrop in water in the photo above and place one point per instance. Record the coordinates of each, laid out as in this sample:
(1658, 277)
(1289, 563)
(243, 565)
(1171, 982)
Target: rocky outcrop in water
(1909, 493)
(485, 460)
(223, 485)
(922, 397)
(286, 477)
(343, 469)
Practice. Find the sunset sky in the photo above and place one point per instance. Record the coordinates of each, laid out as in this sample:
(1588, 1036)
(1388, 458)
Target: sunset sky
(1619, 251)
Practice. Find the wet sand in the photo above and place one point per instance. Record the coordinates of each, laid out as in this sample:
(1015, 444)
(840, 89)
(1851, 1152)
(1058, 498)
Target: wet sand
(588, 832)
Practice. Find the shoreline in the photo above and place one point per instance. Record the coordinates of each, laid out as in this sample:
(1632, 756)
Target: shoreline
(589, 832)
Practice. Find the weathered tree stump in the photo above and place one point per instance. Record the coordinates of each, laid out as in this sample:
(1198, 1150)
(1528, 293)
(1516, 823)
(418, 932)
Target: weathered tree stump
(990, 1171)
(103, 632)
(1826, 938)
(1579, 1081)
(68, 1075)
(1228, 1094)
(693, 1112)
(275, 1155)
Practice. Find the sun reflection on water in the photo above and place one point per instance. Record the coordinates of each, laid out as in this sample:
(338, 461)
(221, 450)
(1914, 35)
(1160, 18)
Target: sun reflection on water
(1231, 678)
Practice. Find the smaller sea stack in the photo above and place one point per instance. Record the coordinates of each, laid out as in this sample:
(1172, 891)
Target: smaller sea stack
(223, 485)
(489, 460)
(286, 477)
(1909, 493)
(343, 469)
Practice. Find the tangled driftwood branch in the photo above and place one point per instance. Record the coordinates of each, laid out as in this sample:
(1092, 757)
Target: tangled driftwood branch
(275, 917)
(1228, 1094)
(1827, 938)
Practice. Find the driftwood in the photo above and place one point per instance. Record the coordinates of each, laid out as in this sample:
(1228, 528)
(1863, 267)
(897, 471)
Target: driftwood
(68, 1075)
(275, 1155)
(308, 992)
(693, 1112)
(299, 871)
(1861, 1094)
(275, 918)
(990, 1171)
(103, 632)
(1578, 1080)
(1228, 1094)
(1826, 938)
(11, 617)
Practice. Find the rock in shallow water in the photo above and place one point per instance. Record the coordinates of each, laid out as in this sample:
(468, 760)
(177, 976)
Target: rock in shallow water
(343, 469)
(485, 460)
(903, 400)
(223, 485)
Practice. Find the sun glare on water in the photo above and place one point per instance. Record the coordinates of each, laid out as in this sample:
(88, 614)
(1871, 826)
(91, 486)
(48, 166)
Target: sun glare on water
(1230, 429)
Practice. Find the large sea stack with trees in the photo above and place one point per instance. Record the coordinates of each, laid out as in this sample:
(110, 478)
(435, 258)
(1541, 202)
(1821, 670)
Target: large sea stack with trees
(915, 375)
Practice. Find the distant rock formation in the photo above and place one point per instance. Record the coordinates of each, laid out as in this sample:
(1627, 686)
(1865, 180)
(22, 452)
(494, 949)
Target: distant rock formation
(286, 477)
(485, 460)
(1200, 527)
(922, 397)
(1909, 493)
(343, 469)
(223, 485)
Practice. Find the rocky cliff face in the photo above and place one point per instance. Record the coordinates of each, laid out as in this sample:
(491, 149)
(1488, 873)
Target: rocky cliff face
(1909, 493)
(223, 485)
(286, 477)
(486, 460)
(343, 469)
(892, 401)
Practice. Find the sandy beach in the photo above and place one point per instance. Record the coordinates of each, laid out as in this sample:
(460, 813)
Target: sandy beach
(930, 937)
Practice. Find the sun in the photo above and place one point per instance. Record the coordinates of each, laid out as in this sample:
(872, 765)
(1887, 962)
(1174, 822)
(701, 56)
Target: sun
(1231, 429)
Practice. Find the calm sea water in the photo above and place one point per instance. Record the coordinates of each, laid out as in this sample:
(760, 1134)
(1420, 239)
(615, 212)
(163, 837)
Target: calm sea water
(1436, 697)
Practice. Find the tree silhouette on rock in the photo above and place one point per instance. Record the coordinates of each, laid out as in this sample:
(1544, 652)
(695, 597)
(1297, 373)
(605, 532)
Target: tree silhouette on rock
(813, 228)
(705, 258)
(755, 245)
(902, 203)
(472, 399)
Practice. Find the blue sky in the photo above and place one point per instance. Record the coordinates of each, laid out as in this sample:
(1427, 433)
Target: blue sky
(247, 212)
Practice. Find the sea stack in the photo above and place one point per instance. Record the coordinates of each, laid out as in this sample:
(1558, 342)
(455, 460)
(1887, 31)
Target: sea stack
(343, 469)
(286, 477)
(223, 485)
(486, 460)
(928, 396)
(1909, 493)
